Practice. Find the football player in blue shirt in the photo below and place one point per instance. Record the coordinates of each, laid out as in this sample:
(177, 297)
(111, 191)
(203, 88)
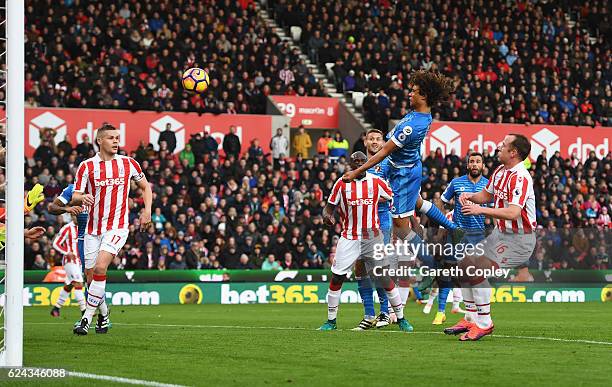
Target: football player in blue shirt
(61, 205)
(472, 225)
(403, 150)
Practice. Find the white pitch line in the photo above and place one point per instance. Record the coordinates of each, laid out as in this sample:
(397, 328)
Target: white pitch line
(118, 379)
(341, 330)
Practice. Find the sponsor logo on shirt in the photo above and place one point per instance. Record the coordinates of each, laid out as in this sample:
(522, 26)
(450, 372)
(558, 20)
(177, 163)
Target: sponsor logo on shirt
(361, 202)
(108, 182)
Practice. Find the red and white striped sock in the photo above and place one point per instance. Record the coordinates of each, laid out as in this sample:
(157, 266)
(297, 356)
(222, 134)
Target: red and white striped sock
(404, 293)
(333, 300)
(395, 300)
(96, 292)
(468, 301)
(482, 298)
(64, 294)
(103, 308)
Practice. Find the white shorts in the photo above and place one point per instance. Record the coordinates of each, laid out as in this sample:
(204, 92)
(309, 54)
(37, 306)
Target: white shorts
(348, 251)
(110, 241)
(73, 273)
(509, 250)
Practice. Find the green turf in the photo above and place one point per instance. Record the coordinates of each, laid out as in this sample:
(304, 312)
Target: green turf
(217, 349)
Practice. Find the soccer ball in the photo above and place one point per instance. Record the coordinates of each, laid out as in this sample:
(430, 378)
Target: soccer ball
(195, 80)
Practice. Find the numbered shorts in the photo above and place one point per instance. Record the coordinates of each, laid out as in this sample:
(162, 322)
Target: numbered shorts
(406, 186)
(73, 273)
(110, 241)
(509, 250)
(348, 251)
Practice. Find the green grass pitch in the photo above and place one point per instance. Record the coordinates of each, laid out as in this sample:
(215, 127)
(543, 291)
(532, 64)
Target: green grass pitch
(245, 345)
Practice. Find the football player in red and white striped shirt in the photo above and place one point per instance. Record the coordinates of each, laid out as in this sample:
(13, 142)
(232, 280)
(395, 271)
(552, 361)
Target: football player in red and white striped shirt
(357, 204)
(513, 240)
(103, 183)
(66, 243)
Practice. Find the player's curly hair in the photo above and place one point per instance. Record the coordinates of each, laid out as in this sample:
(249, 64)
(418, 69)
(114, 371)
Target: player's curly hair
(434, 86)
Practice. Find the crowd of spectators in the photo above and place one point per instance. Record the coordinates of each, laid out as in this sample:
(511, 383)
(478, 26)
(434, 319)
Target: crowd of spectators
(517, 61)
(511, 61)
(131, 55)
(212, 211)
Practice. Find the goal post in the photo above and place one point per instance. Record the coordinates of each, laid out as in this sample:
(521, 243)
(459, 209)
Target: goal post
(12, 350)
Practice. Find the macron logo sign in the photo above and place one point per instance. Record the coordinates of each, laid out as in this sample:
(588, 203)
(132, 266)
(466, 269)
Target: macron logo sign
(544, 140)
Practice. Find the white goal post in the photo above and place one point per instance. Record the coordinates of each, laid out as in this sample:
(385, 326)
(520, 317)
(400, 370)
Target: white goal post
(11, 354)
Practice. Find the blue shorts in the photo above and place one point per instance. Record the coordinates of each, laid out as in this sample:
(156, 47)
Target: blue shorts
(406, 187)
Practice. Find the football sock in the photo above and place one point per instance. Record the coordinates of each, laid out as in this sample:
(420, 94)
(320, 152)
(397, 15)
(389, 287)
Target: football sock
(81, 248)
(396, 302)
(103, 308)
(382, 299)
(432, 296)
(333, 299)
(64, 294)
(436, 215)
(79, 295)
(482, 298)
(364, 286)
(95, 295)
(442, 297)
(417, 292)
(456, 298)
(468, 301)
(404, 293)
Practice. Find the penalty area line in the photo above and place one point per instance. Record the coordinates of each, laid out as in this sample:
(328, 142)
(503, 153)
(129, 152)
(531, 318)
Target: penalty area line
(197, 326)
(118, 379)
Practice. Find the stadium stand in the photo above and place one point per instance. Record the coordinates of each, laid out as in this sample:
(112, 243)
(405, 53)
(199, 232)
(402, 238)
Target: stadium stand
(513, 62)
(78, 59)
(260, 211)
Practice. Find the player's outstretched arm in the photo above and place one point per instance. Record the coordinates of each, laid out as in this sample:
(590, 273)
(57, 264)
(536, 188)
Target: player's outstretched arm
(481, 197)
(387, 149)
(57, 207)
(513, 211)
(33, 233)
(81, 198)
(145, 217)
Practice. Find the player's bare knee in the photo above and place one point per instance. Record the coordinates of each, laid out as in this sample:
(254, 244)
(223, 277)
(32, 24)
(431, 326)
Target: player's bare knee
(336, 281)
(99, 270)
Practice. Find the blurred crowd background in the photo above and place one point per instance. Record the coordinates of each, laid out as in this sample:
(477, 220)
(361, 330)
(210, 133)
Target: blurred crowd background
(516, 62)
